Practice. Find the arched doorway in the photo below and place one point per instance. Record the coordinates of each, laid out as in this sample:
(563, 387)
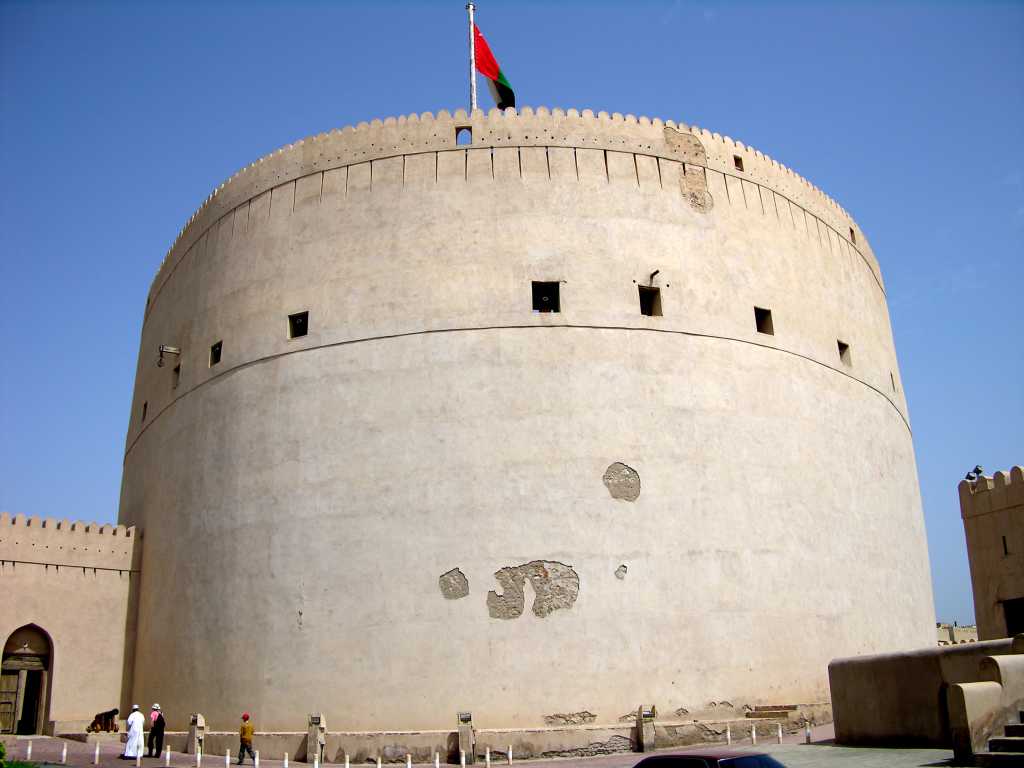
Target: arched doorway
(25, 681)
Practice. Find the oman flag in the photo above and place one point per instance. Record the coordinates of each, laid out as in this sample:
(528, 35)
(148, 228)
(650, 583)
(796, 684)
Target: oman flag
(487, 66)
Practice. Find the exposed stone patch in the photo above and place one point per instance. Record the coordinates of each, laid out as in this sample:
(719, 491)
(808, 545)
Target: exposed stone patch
(629, 717)
(611, 746)
(682, 711)
(555, 585)
(570, 718)
(620, 572)
(622, 481)
(453, 584)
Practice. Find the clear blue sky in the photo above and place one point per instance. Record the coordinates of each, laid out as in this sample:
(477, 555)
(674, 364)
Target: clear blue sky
(117, 120)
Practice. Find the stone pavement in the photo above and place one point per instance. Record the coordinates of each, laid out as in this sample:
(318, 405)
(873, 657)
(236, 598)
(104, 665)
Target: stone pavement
(792, 752)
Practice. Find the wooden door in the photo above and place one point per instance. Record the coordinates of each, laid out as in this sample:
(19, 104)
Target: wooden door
(8, 701)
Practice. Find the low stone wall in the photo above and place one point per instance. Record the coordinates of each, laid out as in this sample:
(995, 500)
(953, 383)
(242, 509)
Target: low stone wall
(363, 747)
(900, 698)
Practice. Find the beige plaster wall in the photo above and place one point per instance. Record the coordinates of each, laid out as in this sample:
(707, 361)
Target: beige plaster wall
(302, 498)
(74, 580)
(993, 508)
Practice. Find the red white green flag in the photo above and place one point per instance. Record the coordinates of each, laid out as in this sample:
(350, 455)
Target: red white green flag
(487, 66)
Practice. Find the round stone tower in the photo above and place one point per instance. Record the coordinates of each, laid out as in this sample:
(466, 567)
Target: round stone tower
(540, 415)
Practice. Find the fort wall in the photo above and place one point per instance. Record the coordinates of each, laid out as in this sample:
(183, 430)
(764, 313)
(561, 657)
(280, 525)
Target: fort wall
(438, 498)
(992, 509)
(75, 581)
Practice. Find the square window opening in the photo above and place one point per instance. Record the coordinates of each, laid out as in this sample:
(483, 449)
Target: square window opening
(215, 352)
(738, 162)
(853, 236)
(176, 376)
(145, 410)
(545, 297)
(844, 352)
(463, 135)
(763, 321)
(298, 325)
(650, 301)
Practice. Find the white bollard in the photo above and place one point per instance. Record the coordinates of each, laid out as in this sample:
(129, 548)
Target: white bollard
(378, 761)
(167, 757)
(227, 758)
(510, 754)
(437, 760)
(199, 757)
(256, 759)
(728, 734)
(807, 732)
(753, 734)
(285, 760)
(316, 760)
(28, 752)
(96, 755)
(462, 758)
(346, 760)
(780, 733)
(487, 757)
(64, 754)
(408, 761)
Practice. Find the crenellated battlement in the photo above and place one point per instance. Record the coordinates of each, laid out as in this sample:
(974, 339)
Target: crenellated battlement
(413, 134)
(52, 542)
(992, 494)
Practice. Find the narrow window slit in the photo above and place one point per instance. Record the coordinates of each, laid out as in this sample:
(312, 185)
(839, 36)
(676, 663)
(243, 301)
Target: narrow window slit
(650, 301)
(844, 352)
(298, 324)
(763, 321)
(215, 351)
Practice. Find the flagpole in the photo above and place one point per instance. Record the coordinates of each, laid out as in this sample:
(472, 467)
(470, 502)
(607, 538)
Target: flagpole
(472, 59)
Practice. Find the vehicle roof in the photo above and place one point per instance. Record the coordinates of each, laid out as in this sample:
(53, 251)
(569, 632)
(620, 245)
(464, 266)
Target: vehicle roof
(713, 753)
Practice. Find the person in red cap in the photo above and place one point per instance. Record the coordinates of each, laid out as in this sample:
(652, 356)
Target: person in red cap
(245, 734)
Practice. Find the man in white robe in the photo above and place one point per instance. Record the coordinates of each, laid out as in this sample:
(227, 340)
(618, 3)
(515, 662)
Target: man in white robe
(133, 745)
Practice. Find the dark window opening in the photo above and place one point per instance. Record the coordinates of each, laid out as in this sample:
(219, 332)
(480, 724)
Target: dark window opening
(892, 380)
(1006, 550)
(763, 320)
(545, 297)
(738, 162)
(650, 301)
(853, 237)
(1013, 612)
(145, 409)
(298, 325)
(463, 135)
(215, 351)
(844, 352)
(176, 376)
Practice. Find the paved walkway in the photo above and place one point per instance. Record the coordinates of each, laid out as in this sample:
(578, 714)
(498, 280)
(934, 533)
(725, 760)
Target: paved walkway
(792, 752)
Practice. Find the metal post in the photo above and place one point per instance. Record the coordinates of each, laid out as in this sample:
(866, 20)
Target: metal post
(408, 761)
(167, 757)
(346, 761)
(378, 761)
(728, 734)
(510, 754)
(256, 759)
(472, 58)
(227, 757)
(437, 760)
(28, 751)
(199, 758)
(316, 759)
(64, 754)
(96, 755)
(488, 757)
(462, 758)
(807, 732)
(285, 760)
(753, 734)
(780, 733)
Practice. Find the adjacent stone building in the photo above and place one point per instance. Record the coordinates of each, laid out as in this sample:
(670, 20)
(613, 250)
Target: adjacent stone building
(992, 509)
(540, 415)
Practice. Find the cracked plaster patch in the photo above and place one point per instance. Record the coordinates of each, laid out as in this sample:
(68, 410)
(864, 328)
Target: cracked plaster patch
(555, 585)
(571, 718)
(622, 481)
(453, 584)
